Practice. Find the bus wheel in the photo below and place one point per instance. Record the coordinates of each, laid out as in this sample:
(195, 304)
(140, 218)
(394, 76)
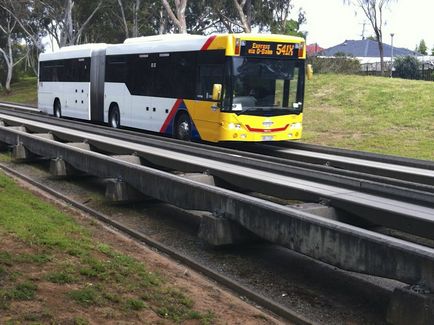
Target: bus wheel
(114, 117)
(57, 109)
(183, 127)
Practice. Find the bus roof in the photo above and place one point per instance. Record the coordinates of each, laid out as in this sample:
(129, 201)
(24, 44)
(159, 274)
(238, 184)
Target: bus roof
(165, 43)
(187, 42)
(71, 52)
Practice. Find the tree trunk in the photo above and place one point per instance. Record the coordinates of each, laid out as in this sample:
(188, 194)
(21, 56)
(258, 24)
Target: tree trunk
(241, 6)
(8, 57)
(178, 18)
(124, 20)
(136, 19)
(381, 49)
(163, 23)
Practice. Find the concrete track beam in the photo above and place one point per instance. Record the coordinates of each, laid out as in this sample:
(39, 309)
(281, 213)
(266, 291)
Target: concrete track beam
(410, 305)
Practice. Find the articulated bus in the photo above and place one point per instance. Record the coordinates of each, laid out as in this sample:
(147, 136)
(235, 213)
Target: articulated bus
(225, 87)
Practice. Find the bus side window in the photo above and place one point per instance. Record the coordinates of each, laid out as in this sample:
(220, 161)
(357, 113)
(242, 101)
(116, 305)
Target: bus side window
(211, 65)
(116, 69)
(209, 74)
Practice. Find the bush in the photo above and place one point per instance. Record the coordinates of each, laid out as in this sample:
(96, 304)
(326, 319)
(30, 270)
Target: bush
(340, 64)
(407, 67)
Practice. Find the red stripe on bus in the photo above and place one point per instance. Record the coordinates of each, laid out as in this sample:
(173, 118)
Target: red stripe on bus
(267, 130)
(208, 43)
(171, 114)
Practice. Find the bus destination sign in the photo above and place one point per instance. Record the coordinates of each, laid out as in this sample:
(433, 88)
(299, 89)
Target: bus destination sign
(274, 49)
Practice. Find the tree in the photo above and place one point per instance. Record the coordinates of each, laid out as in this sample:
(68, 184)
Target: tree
(373, 10)
(422, 48)
(177, 16)
(432, 51)
(9, 38)
(407, 67)
(283, 25)
(244, 10)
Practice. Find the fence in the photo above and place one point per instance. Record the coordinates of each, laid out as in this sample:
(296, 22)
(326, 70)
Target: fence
(426, 71)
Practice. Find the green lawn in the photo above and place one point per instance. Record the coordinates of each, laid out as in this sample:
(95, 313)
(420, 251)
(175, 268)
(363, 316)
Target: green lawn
(23, 92)
(392, 116)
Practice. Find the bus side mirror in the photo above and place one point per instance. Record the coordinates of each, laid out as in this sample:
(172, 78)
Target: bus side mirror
(216, 92)
(309, 72)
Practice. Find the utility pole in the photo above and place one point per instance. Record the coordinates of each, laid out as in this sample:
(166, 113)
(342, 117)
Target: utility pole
(363, 29)
(391, 55)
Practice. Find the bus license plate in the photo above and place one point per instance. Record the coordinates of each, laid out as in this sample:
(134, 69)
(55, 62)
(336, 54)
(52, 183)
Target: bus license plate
(267, 138)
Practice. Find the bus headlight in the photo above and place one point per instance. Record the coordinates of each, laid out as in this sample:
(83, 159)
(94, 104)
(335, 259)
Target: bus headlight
(295, 126)
(233, 126)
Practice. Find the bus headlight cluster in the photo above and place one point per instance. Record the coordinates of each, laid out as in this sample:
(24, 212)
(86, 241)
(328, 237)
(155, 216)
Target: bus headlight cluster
(233, 126)
(295, 125)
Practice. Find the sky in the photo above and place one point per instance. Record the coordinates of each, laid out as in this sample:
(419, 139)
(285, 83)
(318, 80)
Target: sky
(330, 22)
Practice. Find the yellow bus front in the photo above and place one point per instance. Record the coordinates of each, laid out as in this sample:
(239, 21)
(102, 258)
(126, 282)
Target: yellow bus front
(262, 90)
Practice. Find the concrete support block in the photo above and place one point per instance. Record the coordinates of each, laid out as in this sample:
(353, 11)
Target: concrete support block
(410, 306)
(18, 128)
(20, 153)
(119, 191)
(2, 123)
(219, 231)
(317, 209)
(133, 159)
(80, 145)
(47, 136)
(201, 178)
(60, 168)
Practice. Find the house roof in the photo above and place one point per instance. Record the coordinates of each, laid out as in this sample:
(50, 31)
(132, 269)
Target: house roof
(366, 48)
(314, 48)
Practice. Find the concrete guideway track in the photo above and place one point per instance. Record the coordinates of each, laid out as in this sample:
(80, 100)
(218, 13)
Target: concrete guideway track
(396, 171)
(374, 184)
(397, 214)
(406, 169)
(333, 242)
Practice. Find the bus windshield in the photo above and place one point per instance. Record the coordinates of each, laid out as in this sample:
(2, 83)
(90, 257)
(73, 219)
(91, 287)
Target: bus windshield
(266, 85)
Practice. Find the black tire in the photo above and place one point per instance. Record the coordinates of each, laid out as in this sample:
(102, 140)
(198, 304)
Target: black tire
(182, 129)
(114, 117)
(57, 110)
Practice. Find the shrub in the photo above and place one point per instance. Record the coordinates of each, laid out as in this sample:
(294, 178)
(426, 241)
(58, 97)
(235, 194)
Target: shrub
(407, 67)
(338, 64)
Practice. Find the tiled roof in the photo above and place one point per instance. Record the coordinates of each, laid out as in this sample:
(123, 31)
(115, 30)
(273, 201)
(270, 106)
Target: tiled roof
(313, 49)
(365, 48)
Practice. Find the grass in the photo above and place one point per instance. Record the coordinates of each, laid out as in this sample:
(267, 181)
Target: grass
(391, 116)
(24, 92)
(85, 272)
